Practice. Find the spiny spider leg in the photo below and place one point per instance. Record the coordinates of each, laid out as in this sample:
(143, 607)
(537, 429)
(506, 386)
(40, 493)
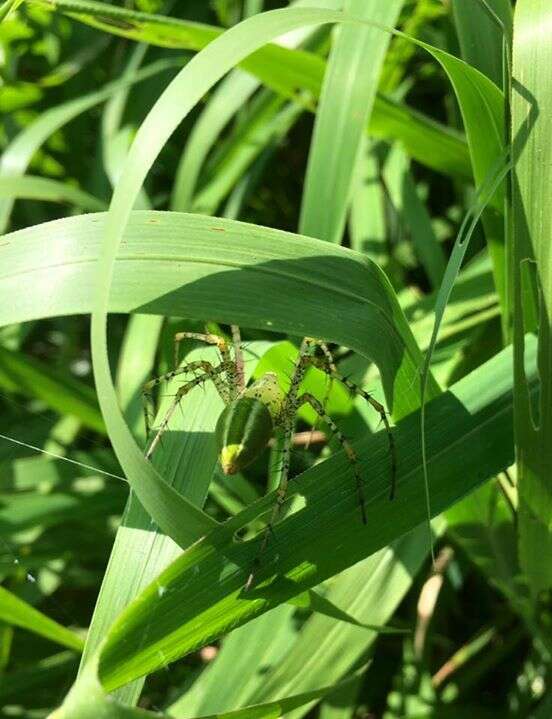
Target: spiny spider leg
(276, 509)
(311, 342)
(206, 367)
(329, 367)
(210, 373)
(281, 492)
(307, 398)
(222, 345)
(286, 422)
(208, 338)
(238, 357)
(149, 386)
(380, 409)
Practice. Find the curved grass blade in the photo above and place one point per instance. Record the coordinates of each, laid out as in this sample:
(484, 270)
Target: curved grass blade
(483, 111)
(480, 38)
(139, 551)
(484, 196)
(157, 274)
(346, 100)
(28, 187)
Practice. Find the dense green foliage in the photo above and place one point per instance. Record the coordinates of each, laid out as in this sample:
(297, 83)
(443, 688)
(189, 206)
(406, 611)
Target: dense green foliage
(373, 174)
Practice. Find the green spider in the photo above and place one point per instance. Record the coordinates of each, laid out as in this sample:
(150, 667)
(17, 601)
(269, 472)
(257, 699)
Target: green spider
(254, 413)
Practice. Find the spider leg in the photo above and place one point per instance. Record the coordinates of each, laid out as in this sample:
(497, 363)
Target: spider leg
(277, 508)
(208, 338)
(287, 422)
(307, 398)
(238, 357)
(210, 373)
(380, 409)
(331, 367)
(207, 369)
(149, 408)
(221, 344)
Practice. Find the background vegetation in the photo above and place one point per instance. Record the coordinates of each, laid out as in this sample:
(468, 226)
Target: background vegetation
(388, 192)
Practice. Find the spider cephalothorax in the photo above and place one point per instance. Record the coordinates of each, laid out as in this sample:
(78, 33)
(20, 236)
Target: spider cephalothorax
(254, 413)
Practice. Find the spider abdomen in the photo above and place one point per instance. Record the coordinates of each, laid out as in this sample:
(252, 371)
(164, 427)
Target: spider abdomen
(243, 431)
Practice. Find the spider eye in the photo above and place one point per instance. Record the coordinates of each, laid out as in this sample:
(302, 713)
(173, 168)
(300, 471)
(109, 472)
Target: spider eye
(243, 431)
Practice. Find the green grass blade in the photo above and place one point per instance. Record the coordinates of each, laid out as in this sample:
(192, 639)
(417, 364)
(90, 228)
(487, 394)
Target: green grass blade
(245, 657)
(269, 120)
(532, 210)
(17, 612)
(323, 651)
(367, 228)
(87, 700)
(413, 214)
(16, 157)
(480, 37)
(231, 95)
(371, 592)
(139, 551)
(204, 278)
(283, 70)
(485, 195)
(201, 595)
(482, 108)
(346, 101)
(42, 188)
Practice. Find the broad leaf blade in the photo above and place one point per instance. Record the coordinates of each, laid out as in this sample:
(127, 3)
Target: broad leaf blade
(532, 208)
